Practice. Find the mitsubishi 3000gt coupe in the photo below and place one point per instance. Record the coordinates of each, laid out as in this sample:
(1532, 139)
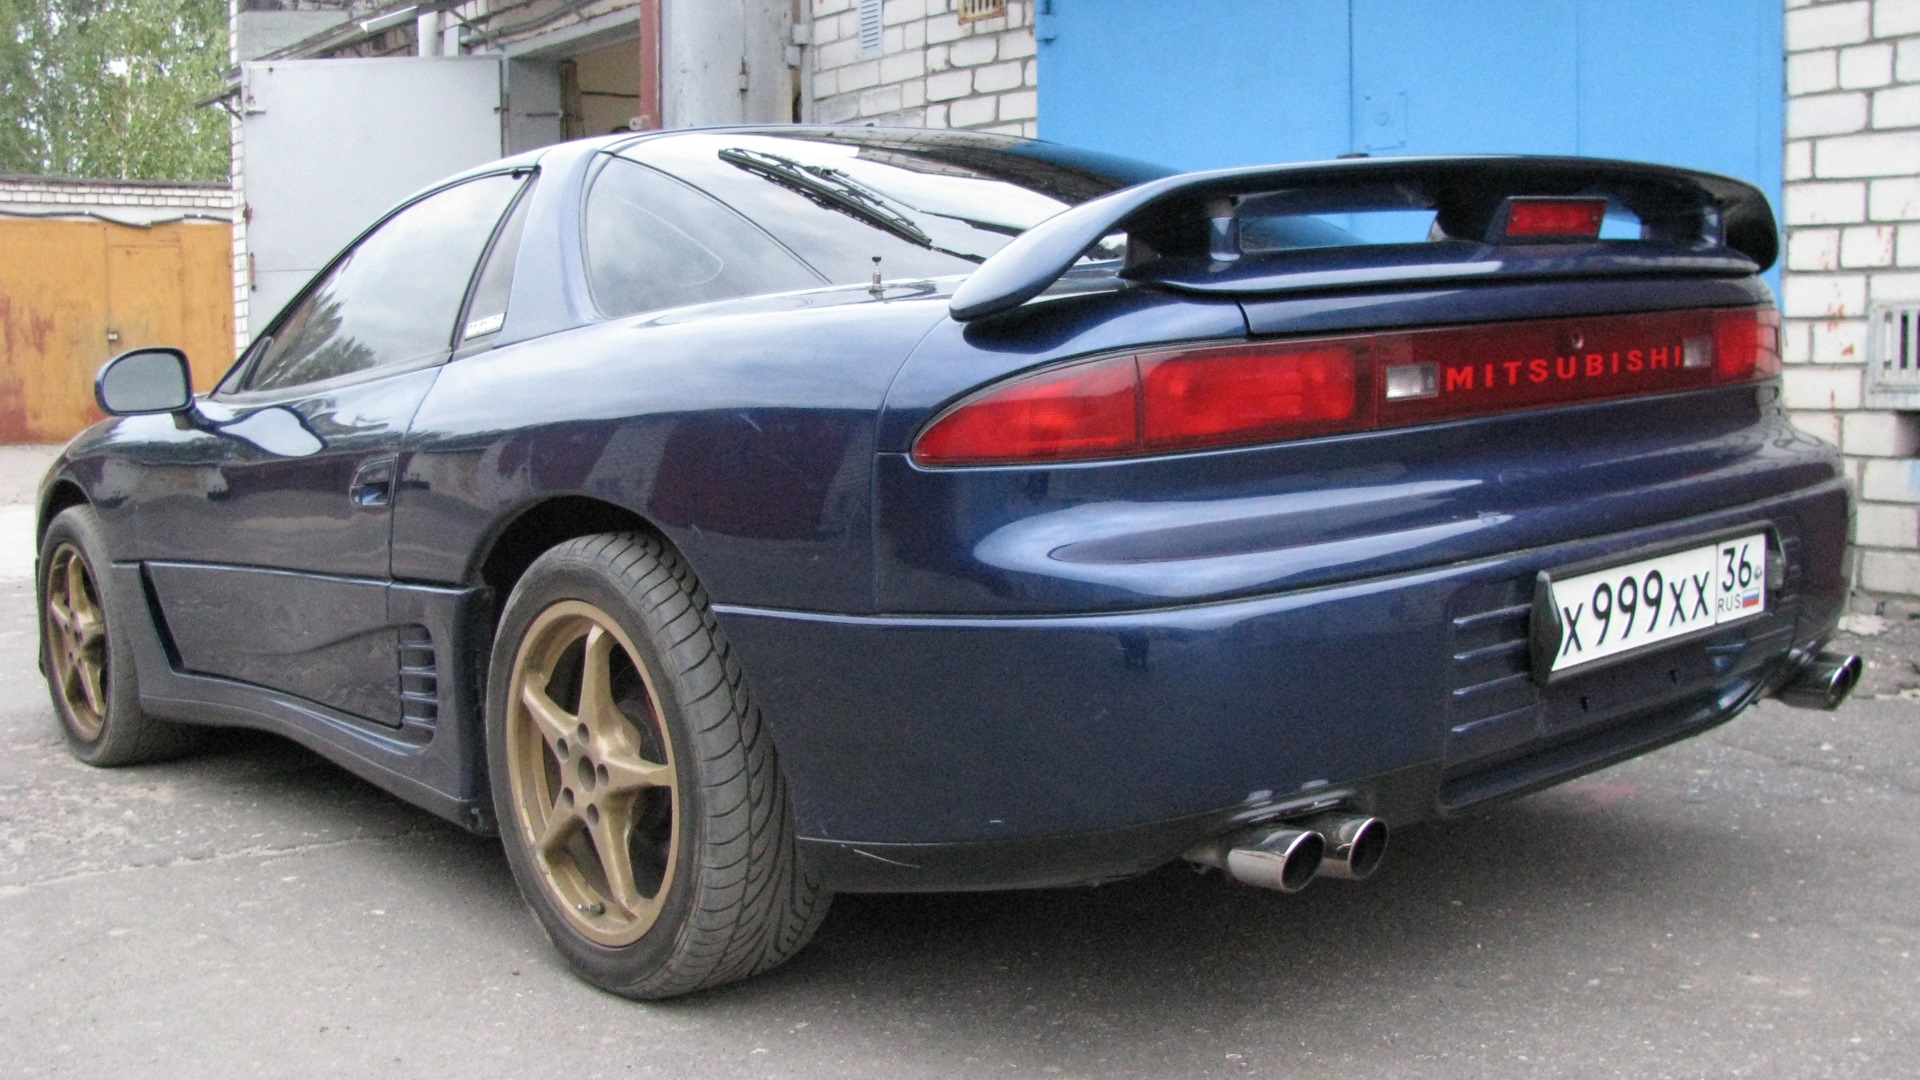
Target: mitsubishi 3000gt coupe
(732, 517)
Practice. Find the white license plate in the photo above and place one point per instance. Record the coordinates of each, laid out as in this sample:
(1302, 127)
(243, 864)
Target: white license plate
(1612, 611)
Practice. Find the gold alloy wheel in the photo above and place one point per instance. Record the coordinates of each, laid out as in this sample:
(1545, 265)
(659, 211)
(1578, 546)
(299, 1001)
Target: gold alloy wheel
(77, 641)
(591, 771)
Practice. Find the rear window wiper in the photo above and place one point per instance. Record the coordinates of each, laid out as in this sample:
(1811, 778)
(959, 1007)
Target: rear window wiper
(836, 190)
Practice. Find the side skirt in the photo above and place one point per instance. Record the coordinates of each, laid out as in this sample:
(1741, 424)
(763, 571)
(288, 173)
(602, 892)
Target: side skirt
(436, 763)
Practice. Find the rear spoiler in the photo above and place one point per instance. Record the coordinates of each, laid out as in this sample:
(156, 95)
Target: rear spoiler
(1182, 231)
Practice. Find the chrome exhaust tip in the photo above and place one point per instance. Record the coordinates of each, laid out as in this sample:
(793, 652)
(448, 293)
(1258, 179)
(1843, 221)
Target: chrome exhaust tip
(1284, 859)
(1822, 682)
(1355, 844)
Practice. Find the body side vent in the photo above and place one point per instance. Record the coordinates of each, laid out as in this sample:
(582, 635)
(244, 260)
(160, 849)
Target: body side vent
(419, 679)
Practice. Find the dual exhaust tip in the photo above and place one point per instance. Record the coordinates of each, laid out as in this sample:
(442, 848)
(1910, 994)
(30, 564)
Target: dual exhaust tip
(1288, 857)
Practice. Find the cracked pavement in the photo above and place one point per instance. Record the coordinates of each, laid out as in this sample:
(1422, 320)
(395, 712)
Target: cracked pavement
(1739, 905)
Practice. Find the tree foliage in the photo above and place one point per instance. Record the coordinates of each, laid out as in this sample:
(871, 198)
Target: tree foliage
(105, 88)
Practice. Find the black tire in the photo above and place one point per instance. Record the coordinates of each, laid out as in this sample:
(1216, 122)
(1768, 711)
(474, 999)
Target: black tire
(709, 827)
(85, 654)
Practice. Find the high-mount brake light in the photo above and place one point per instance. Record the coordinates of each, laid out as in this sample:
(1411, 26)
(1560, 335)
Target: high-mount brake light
(1244, 394)
(1555, 218)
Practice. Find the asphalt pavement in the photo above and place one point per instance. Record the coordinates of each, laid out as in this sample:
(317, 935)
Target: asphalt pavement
(1744, 904)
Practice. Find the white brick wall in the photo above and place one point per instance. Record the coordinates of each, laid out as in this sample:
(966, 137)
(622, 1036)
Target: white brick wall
(1853, 234)
(131, 202)
(933, 71)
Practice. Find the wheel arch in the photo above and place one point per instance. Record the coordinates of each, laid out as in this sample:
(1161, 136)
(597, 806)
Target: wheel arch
(543, 525)
(63, 495)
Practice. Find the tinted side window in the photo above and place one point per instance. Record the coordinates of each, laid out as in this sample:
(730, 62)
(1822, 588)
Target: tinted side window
(652, 242)
(394, 299)
(487, 311)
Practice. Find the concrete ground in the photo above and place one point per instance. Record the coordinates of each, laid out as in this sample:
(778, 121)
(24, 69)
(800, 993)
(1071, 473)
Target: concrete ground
(1740, 905)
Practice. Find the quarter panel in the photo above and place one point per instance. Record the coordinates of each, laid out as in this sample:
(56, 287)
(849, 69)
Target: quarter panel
(743, 430)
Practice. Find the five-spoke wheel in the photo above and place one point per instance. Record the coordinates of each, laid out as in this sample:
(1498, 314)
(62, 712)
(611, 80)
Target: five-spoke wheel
(91, 677)
(76, 641)
(640, 801)
(592, 773)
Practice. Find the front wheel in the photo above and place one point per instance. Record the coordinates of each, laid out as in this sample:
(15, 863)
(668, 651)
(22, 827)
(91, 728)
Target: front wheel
(640, 802)
(85, 655)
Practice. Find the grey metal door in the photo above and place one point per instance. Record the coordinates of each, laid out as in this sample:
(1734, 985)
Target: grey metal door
(328, 145)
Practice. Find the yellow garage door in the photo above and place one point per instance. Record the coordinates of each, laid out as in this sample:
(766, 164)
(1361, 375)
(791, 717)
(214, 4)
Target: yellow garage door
(74, 293)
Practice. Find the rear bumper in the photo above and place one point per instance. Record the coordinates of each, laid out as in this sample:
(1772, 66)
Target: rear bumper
(934, 753)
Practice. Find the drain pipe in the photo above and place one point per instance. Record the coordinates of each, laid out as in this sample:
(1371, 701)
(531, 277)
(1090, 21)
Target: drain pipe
(428, 40)
(651, 116)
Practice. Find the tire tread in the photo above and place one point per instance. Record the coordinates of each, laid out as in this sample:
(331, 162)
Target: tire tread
(757, 904)
(130, 737)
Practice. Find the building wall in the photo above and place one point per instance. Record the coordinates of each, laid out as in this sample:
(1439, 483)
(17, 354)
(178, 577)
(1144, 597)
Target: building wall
(931, 70)
(130, 202)
(1852, 216)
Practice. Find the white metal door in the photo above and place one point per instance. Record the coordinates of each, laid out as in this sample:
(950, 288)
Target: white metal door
(327, 145)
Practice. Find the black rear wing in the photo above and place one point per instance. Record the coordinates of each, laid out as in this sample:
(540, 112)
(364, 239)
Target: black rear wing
(1183, 231)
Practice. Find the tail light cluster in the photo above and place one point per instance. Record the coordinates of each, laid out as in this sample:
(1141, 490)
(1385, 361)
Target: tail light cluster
(1244, 394)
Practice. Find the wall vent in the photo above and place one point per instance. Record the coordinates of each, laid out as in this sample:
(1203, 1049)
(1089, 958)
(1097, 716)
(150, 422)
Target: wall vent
(1893, 357)
(975, 10)
(870, 44)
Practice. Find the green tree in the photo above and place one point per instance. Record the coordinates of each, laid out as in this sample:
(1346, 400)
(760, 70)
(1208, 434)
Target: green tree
(105, 88)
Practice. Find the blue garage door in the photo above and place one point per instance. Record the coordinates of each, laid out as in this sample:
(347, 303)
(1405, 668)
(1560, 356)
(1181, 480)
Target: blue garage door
(1205, 83)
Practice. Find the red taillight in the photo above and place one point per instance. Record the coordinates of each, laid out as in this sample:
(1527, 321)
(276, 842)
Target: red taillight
(1555, 217)
(1088, 410)
(1747, 344)
(1208, 397)
(1245, 394)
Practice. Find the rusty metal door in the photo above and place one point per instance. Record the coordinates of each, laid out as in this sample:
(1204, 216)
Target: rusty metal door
(145, 293)
(74, 293)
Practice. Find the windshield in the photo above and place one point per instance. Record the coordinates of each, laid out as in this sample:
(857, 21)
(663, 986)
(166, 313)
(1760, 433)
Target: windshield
(928, 204)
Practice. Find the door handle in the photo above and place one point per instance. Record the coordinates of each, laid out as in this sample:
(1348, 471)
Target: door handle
(373, 484)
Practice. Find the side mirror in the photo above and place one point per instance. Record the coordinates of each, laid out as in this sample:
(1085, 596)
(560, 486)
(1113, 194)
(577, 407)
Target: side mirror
(144, 381)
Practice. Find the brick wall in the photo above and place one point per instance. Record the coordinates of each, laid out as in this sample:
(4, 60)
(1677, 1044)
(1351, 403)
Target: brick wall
(1852, 218)
(931, 70)
(130, 202)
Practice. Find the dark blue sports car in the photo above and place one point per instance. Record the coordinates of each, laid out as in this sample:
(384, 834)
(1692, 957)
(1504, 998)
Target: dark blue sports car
(732, 517)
